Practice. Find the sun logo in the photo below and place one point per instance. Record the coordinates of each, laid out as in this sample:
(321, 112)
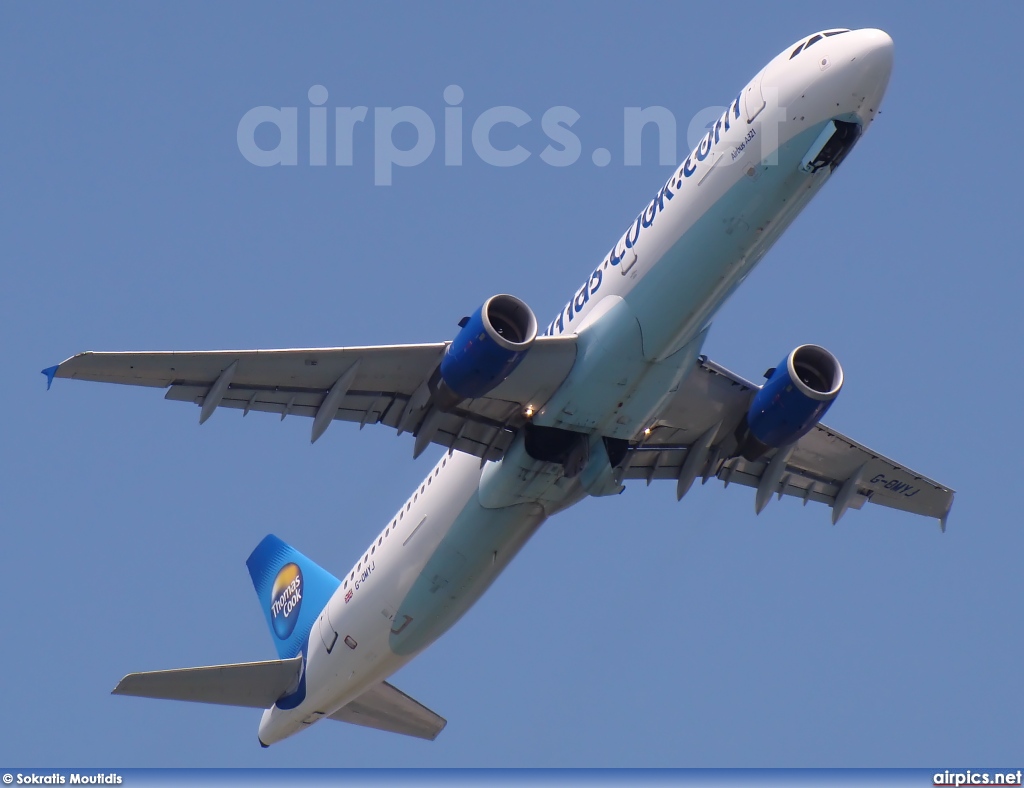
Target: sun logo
(285, 600)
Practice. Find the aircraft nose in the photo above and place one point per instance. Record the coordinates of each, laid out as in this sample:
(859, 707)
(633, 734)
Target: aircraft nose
(869, 65)
(874, 50)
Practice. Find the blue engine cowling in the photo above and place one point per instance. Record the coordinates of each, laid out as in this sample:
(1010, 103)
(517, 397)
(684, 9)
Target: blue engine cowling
(795, 398)
(492, 342)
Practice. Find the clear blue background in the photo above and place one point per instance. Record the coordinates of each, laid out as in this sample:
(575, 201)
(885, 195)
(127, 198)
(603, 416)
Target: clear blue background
(633, 631)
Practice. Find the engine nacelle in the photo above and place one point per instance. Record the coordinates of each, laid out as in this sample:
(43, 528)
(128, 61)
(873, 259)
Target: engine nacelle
(492, 342)
(795, 398)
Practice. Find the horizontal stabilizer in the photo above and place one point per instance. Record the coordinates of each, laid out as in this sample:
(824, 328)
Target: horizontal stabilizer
(253, 684)
(389, 709)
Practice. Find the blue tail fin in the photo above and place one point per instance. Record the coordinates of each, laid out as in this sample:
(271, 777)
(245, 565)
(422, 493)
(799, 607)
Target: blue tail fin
(292, 591)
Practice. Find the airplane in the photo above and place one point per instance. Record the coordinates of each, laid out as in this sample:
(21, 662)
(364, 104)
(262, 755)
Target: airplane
(614, 389)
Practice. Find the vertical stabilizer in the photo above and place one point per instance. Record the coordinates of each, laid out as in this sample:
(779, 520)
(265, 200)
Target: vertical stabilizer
(292, 591)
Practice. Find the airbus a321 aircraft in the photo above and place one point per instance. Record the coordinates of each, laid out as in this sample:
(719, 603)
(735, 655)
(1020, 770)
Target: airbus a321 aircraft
(614, 389)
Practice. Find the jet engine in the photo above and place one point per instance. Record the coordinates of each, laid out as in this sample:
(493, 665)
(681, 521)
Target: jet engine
(492, 342)
(795, 397)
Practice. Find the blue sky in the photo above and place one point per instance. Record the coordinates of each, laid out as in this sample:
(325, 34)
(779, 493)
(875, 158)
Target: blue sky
(630, 632)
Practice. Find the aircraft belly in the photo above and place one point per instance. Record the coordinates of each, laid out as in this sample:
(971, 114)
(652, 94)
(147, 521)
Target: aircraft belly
(678, 297)
(609, 362)
(457, 553)
(614, 386)
(474, 551)
(363, 615)
(643, 342)
(433, 578)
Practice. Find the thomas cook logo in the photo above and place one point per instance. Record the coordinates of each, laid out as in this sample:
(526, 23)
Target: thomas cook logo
(285, 600)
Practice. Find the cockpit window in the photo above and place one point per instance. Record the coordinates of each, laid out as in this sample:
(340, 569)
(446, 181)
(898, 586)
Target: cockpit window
(814, 40)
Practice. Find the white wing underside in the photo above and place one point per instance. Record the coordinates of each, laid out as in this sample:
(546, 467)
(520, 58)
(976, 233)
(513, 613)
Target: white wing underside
(824, 466)
(390, 385)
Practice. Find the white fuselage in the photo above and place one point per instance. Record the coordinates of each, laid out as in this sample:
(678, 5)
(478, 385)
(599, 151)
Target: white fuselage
(641, 317)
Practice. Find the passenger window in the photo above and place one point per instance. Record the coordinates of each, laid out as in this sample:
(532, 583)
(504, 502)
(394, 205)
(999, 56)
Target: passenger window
(373, 549)
(387, 530)
(422, 488)
(379, 541)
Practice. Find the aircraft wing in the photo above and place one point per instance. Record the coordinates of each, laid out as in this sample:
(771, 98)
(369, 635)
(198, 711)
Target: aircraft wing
(388, 384)
(824, 466)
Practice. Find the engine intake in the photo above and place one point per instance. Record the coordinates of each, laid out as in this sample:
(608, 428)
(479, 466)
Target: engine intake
(492, 342)
(795, 398)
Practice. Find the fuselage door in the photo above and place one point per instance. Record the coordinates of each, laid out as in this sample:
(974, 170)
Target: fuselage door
(328, 634)
(753, 98)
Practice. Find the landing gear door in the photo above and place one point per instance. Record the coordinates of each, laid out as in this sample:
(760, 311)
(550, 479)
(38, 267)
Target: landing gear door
(753, 98)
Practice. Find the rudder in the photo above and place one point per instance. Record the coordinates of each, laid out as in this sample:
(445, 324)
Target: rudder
(292, 590)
